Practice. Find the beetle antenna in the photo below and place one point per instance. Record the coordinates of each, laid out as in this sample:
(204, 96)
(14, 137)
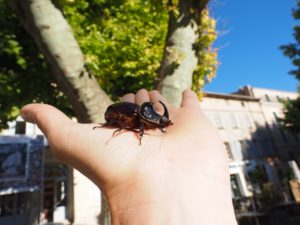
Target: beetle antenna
(166, 113)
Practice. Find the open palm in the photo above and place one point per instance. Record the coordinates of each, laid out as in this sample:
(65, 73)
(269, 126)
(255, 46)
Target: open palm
(189, 153)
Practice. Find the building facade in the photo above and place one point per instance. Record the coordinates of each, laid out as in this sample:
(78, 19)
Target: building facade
(21, 179)
(260, 152)
(65, 196)
(233, 117)
(272, 103)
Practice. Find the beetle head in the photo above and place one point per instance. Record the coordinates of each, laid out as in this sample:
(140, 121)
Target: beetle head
(148, 113)
(165, 117)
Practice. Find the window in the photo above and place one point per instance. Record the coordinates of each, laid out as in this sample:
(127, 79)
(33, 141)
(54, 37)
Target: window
(282, 132)
(20, 127)
(252, 151)
(218, 121)
(246, 149)
(243, 145)
(257, 153)
(266, 147)
(236, 150)
(276, 117)
(228, 151)
(235, 187)
(267, 97)
(278, 98)
(14, 204)
(247, 121)
(232, 120)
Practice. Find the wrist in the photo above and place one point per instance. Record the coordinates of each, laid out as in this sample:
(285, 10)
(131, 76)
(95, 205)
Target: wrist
(172, 203)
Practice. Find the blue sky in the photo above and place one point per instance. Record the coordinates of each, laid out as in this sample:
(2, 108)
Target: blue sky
(250, 33)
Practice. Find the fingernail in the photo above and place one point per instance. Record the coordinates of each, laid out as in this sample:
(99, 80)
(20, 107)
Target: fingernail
(27, 117)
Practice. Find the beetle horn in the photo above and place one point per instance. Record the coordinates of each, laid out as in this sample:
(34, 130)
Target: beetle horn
(166, 113)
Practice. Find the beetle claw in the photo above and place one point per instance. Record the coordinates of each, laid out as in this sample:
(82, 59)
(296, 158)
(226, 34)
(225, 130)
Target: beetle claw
(141, 132)
(118, 130)
(163, 130)
(102, 125)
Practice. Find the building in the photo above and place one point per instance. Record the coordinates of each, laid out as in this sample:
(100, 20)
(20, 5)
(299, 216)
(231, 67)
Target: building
(234, 116)
(260, 152)
(21, 179)
(271, 102)
(65, 195)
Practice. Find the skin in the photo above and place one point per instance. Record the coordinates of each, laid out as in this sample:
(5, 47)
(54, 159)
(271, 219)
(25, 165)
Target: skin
(175, 178)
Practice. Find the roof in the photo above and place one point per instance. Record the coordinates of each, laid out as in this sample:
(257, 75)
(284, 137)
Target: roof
(236, 97)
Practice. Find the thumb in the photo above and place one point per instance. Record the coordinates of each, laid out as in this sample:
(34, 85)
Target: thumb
(66, 141)
(53, 123)
(45, 116)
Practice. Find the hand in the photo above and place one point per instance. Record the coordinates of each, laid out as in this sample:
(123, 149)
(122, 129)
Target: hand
(177, 177)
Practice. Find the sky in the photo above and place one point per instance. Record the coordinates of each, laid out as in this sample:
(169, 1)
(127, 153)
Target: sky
(249, 36)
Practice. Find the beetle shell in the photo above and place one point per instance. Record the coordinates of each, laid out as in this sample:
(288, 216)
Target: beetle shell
(122, 115)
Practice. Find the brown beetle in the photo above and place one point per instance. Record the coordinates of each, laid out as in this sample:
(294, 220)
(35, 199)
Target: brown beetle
(133, 117)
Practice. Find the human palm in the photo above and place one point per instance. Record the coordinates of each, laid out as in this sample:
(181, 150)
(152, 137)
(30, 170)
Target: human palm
(190, 152)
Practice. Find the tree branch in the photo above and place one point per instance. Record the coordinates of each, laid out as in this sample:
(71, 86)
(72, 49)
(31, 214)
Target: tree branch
(180, 57)
(55, 39)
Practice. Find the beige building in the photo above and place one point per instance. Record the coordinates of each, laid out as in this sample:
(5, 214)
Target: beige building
(271, 102)
(248, 124)
(234, 116)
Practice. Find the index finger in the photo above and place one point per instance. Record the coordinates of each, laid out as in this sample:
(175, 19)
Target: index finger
(190, 99)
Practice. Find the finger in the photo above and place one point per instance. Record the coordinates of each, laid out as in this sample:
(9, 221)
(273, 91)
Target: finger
(189, 99)
(45, 116)
(142, 96)
(155, 97)
(54, 124)
(128, 98)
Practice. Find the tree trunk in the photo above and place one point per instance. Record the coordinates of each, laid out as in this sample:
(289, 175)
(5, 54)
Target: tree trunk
(55, 39)
(180, 56)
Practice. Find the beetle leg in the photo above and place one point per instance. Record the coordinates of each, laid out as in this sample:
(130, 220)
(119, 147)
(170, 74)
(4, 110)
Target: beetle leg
(141, 132)
(101, 125)
(161, 128)
(117, 131)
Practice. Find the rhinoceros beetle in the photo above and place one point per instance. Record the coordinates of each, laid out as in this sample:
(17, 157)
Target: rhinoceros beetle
(134, 117)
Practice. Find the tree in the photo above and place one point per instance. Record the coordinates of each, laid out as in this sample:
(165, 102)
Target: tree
(88, 44)
(292, 107)
(187, 60)
(291, 118)
(119, 45)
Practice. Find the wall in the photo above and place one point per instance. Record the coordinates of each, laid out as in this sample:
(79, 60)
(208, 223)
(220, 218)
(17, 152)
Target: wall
(87, 200)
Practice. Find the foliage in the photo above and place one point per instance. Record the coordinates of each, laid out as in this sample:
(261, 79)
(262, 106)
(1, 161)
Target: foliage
(207, 56)
(292, 50)
(122, 41)
(291, 120)
(24, 76)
